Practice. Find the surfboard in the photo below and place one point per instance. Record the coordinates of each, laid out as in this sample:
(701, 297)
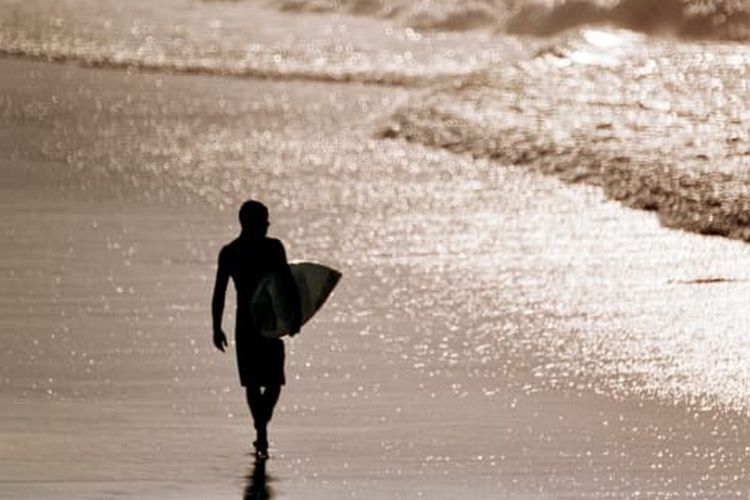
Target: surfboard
(271, 309)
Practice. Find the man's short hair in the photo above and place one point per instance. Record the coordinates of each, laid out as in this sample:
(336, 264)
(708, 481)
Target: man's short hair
(254, 216)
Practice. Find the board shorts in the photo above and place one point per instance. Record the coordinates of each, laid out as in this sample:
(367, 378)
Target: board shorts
(260, 360)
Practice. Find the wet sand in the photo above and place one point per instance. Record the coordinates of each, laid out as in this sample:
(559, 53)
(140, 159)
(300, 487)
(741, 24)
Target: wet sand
(445, 364)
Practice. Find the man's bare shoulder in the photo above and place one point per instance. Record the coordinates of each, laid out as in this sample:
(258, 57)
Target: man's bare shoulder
(275, 243)
(237, 249)
(228, 251)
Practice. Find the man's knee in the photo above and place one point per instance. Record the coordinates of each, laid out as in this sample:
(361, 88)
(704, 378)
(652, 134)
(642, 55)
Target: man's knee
(272, 390)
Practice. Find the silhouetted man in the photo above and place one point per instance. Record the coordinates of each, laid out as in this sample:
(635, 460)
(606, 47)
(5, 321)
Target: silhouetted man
(247, 260)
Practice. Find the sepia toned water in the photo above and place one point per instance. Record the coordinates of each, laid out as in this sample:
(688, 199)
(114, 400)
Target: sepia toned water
(498, 332)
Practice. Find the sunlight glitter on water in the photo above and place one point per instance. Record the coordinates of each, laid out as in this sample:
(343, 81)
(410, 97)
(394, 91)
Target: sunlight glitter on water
(453, 222)
(469, 284)
(223, 39)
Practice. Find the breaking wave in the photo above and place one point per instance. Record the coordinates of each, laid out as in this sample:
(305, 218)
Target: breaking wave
(728, 20)
(455, 15)
(717, 19)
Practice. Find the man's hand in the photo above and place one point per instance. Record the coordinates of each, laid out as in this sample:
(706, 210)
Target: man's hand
(220, 340)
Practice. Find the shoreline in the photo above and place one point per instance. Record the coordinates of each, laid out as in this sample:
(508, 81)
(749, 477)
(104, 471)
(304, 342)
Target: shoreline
(629, 131)
(394, 79)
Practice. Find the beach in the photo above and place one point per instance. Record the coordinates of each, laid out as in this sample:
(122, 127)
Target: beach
(498, 332)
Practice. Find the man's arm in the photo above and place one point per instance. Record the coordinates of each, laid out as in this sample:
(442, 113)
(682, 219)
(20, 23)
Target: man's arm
(217, 303)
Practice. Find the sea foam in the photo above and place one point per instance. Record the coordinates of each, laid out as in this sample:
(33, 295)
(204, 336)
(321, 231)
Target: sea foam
(717, 19)
(659, 126)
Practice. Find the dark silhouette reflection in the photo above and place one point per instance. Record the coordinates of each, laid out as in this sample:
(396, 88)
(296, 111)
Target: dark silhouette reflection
(256, 486)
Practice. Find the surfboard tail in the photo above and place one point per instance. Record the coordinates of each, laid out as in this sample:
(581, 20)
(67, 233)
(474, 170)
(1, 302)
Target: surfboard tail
(315, 283)
(328, 285)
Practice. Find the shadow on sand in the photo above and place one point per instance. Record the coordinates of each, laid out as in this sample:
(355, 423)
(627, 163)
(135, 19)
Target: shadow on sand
(256, 485)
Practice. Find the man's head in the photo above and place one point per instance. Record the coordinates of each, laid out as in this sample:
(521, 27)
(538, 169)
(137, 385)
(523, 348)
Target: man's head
(254, 218)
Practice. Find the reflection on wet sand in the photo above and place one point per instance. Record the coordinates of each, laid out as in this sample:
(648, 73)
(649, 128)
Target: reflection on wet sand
(256, 483)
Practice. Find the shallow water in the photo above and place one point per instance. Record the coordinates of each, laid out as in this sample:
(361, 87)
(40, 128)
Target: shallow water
(480, 302)
(241, 39)
(487, 313)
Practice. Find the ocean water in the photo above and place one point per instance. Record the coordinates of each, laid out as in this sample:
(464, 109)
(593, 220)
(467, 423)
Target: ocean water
(402, 143)
(650, 100)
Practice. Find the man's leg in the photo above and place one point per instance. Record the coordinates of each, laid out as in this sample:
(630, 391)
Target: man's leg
(255, 401)
(270, 398)
(262, 401)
